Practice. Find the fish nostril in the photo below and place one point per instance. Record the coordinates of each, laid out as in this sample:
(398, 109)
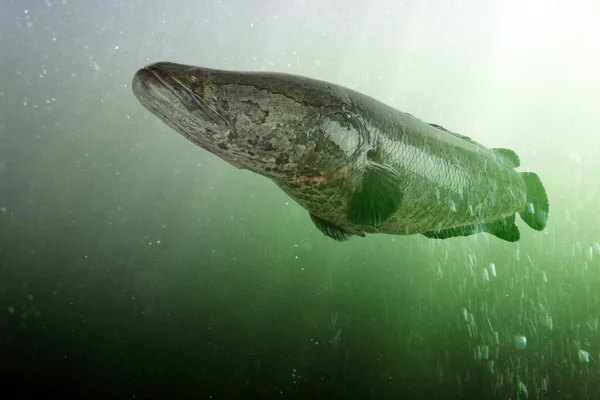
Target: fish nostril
(197, 75)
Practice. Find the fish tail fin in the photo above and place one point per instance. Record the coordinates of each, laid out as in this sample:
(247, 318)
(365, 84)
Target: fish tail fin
(536, 211)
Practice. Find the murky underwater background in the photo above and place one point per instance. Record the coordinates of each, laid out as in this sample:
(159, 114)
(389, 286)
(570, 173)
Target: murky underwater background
(136, 265)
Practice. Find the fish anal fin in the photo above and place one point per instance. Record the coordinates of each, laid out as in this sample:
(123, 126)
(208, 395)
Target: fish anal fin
(504, 229)
(508, 156)
(378, 196)
(465, 230)
(329, 229)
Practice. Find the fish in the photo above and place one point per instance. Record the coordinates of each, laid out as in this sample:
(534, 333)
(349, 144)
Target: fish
(357, 165)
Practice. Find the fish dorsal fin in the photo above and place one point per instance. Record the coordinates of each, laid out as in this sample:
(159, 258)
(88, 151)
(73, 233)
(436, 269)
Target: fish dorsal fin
(441, 128)
(378, 196)
(508, 156)
(463, 137)
(329, 229)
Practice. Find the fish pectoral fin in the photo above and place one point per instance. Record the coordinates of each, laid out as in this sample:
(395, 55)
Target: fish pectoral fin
(508, 156)
(329, 229)
(378, 197)
(504, 229)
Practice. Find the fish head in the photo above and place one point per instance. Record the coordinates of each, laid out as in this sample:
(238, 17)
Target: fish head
(281, 126)
(177, 95)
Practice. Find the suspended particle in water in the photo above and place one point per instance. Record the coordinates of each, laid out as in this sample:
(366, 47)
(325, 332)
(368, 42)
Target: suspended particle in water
(522, 388)
(544, 384)
(471, 319)
(485, 352)
(520, 342)
(549, 323)
(531, 208)
(593, 324)
(465, 314)
(453, 205)
(584, 356)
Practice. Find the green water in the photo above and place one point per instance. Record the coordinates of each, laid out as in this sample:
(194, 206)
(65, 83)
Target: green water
(133, 263)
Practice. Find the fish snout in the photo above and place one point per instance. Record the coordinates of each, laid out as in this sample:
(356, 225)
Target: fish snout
(143, 81)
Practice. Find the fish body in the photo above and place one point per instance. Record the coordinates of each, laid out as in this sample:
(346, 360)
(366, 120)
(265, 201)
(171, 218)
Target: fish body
(354, 163)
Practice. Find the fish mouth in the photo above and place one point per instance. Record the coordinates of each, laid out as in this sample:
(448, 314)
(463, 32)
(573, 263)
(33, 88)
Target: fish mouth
(162, 92)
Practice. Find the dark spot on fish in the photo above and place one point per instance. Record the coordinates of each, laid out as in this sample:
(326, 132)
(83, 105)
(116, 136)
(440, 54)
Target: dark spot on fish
(223, 146)
(254, 113)
(282, 159)
(269, 147)
(232, 135)
(224, 104)
(251, 154)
